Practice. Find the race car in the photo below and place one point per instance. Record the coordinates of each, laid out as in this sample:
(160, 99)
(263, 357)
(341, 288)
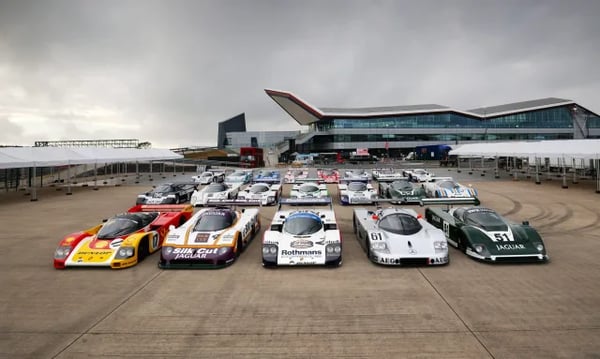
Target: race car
(167, 193)
(399, 236)
(306, 236)
(418, 175)
(207, 177)
(238, 176)
(215, 190)
(267, 176)
(212, 238)
(355, 175)
(123, 240)
(309, 190)
(294, 174)
(266, 193)
(328, 175)
(446, 187)
(401, 191)
(483, 234)
(356, 192)
(386, 174)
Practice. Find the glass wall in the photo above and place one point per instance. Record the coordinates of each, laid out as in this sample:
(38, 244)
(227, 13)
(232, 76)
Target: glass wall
(548, 118)
(450, 137)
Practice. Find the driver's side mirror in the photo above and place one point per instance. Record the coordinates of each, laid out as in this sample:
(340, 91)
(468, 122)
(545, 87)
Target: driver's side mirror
(525, 223)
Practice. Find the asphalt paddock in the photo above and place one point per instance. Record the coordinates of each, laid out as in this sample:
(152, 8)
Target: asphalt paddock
(466, 309)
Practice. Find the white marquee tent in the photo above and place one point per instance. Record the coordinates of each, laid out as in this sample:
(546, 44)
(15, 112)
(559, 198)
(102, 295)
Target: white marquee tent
(21, 157)
(578, 149)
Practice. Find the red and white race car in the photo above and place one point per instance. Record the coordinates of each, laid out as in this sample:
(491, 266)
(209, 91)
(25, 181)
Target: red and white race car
(328, 175)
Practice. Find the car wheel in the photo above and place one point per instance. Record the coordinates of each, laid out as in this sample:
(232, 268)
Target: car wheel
(461, 243)
(239, 246)
(143, 249)
(354, 226)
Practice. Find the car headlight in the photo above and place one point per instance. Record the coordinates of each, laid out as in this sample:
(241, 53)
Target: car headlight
(329, 250)
(167, 250)
(125, 252)
(62, 252)
(440, 245)
(273, 250)
(269, 250)
(222, 250)
(337, 249)
(479, 248)
(270, 199)
(539, 247)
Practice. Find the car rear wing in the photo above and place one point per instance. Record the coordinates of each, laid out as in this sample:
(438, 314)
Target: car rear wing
(347, 180)
(305, 201)
(267, 180)
(436, 179)
(392, 179)
(450, 201)
(233, 202)
(161, 208)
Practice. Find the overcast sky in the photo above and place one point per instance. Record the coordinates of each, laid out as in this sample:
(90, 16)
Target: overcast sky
(168, 71)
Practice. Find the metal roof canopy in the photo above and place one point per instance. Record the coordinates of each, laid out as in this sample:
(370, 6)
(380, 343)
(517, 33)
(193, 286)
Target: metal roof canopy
(581, 149)
(21, 157)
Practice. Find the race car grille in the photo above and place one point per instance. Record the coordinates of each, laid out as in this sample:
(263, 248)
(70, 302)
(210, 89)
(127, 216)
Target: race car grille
(414, 261)
(519, 259)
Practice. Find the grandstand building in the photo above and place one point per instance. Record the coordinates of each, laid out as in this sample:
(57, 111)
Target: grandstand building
(399, 129)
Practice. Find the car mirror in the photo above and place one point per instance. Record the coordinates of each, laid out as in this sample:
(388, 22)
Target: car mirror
(171, 227)
(525, 223)
(105, 220)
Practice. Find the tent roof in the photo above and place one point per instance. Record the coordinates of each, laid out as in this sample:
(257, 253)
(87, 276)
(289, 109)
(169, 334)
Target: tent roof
(584, 149)
(20, 157)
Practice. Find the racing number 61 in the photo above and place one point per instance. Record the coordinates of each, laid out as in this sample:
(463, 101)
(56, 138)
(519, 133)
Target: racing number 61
(446, 228)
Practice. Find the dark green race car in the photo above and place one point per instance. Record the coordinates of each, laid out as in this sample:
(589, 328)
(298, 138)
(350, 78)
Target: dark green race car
(483, 234)
(401, 191)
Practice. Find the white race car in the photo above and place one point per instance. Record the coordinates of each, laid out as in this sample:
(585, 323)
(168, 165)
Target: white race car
(398, 236)
(207, 177)
(215, 190)
(355, 175)
(309, 190)
(305, 236)
(239, 176)
(446, 187)
(386, 174)
(418, 175)
(357, 192)
(266, 193)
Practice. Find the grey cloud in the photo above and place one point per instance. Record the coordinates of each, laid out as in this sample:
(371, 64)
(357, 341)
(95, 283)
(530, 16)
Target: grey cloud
(168, 71)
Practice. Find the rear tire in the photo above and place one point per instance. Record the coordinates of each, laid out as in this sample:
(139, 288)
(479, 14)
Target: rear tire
(461, 243)
(239, 246)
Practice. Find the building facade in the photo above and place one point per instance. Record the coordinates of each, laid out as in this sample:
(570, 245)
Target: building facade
(234, 124)
(401, 128)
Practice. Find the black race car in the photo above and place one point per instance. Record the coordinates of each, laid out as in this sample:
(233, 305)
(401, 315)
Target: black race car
(401, 191)
(167, 193)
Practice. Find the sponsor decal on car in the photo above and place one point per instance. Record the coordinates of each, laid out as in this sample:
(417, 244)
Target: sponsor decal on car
(501, 247)
(295, 252)
(202, 238)
(301, 244)
(193, 253)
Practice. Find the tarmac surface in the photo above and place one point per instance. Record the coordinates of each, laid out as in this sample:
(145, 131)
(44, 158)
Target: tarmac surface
(466, 309)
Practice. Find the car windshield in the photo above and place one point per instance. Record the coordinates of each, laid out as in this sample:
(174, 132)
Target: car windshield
(206, 174)
(400, 223)
(163, 188)
(302, 224)
(357, 186)
(309, 188)
(485, 218)
(266, 174)
(259, 188)
(420, 172)
(449, 185)
(327, 173)
(215, 187)
(125, 224)
(214, 221)
(402, 186)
